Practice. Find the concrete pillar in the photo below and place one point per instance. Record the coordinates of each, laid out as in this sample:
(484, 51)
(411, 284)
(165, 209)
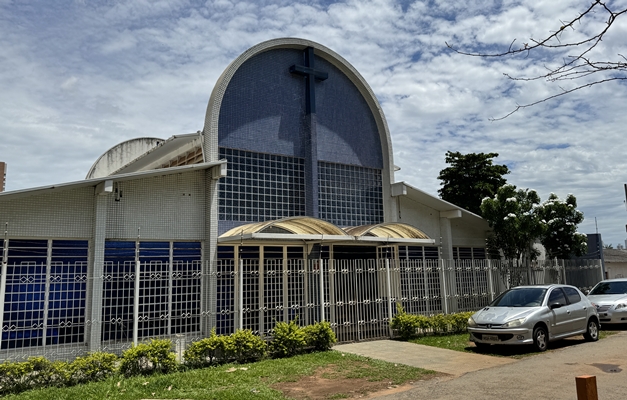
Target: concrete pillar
(93, 317)
(446, 237)
(448, 265)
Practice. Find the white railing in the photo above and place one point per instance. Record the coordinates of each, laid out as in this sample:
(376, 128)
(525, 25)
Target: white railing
(47, 307)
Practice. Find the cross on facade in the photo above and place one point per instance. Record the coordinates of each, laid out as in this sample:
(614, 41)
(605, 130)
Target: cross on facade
(311, 76)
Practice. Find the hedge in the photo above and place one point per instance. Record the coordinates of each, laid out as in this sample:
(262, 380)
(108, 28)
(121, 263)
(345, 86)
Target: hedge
(157, 356)
(408, 326)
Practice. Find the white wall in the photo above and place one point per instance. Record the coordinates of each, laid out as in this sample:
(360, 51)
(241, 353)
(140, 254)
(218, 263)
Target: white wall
(616, 269)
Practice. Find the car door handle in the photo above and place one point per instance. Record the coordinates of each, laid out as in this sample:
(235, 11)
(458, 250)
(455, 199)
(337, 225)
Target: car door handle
(568, 311)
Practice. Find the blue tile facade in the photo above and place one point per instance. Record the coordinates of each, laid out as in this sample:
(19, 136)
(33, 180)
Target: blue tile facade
(262, 119)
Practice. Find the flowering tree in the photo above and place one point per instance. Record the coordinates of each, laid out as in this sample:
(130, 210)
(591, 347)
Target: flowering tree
(511, 214)
(518, 220)
(560, 238)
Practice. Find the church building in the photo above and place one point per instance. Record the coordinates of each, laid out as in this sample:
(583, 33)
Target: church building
(284, 205)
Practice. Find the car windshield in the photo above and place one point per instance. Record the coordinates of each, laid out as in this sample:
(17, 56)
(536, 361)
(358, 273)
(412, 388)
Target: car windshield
(520, 297)
(610, 288)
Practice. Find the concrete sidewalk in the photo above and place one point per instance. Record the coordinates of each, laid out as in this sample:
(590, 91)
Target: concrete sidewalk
(549, 375)
(451, 362)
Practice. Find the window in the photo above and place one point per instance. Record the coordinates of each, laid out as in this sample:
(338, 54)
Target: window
(45, 298)
(261, 186)
(573, 295)
(469, 253)
(169, 288)
(349, 195)
(557, 296)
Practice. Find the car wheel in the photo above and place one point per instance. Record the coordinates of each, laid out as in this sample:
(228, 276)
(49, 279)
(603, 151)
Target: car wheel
(592, 332)
(540, 338)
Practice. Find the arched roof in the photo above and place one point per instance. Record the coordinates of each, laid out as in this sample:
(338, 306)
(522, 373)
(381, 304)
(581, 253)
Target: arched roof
(308, 228)
(120, 155)
(292, 225)
(391, 230)
(212, 115)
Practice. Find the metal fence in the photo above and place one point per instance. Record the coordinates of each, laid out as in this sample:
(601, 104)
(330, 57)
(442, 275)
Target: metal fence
(47, 305)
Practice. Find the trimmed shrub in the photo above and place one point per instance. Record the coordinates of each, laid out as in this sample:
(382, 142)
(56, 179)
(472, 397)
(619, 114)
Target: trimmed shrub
(439, 323)
(206, 351)
(92, 367)
(147, 358)
(244, 346)
(406, 325)
(319, 336)
(459, 321)
(288, 339)
(36, 372)
(15, 376)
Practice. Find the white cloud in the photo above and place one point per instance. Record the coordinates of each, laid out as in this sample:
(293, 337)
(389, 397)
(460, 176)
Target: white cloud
(80, 77)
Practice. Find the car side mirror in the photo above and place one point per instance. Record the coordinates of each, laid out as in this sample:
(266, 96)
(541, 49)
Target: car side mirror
(555, 305)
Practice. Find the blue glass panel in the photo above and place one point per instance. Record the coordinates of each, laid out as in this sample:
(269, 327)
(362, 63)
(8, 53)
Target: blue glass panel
(349, 195)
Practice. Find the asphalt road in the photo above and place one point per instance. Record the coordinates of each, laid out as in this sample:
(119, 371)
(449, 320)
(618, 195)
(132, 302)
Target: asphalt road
(549, 375)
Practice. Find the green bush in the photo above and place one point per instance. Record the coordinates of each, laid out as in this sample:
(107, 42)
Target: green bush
(36, 372)
(459, 321)
(408, 326)
(244, 346)
(92, 367)
(147, 358)
(288, 339)
(15, 376)
(319, 336)
(206, 351)
(439, 323)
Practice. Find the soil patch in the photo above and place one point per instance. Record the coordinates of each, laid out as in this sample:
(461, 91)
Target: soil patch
(328, 383)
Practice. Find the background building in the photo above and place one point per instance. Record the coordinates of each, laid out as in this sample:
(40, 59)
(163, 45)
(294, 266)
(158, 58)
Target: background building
(3, 176)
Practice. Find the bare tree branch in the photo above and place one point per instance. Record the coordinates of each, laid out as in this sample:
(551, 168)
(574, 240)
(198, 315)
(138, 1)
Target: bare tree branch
(574, 67)
(564, 92)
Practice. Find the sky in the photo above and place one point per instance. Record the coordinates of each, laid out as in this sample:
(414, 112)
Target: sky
(78, 77)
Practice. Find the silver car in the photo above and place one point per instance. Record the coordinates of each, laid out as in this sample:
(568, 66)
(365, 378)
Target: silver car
(535, 315)
(610, 297)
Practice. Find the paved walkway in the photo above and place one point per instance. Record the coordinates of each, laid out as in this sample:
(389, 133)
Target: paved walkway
(549, 375)
(451, 362)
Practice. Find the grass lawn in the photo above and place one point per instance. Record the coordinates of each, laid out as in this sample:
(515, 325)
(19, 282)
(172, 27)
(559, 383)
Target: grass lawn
(327, 375)
(459, 342)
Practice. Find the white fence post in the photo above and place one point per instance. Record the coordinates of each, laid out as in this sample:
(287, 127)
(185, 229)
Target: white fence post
(443, 289)
(321, 269)
(490, 283)
(44, 331)
(170, 288)
(240, 297)
(3, 276)
(136, 293)
(389, 287)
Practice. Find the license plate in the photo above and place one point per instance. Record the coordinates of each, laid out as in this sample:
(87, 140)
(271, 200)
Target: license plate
(490, 338)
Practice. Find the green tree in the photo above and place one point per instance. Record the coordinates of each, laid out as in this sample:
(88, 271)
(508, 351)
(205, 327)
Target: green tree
(470, 178)
(560, 238)
(515, 223)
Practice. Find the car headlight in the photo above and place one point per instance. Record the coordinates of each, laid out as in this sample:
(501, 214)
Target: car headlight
(619, 306)
(514, 323)
(471, 322)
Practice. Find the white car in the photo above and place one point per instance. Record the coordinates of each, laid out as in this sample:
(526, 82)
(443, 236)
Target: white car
(535, 315)
(610, 298)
